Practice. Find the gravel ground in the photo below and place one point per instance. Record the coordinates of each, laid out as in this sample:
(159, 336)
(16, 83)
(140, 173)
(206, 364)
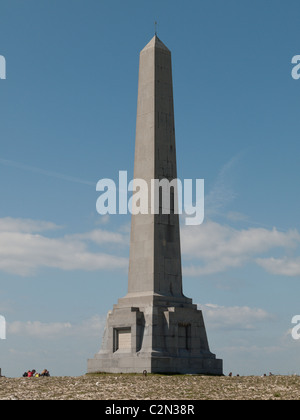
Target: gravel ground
(151, 387)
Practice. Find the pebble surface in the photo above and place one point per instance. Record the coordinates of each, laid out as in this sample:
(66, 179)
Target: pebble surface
(151, 387)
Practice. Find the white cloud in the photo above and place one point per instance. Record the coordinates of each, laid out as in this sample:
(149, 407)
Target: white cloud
(38, 329)
(281, 266)
(9, 224)
(100, 236)
(207, 249)
(234, 317)
(218, 248)
(22, 251)
(88, 328)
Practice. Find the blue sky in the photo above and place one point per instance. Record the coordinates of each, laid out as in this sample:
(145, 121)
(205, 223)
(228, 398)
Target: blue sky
(67, 119)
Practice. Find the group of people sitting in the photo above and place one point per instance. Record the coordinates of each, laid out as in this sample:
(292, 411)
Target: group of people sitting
(34, 374)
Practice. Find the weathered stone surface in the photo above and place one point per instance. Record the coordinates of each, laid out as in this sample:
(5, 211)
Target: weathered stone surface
(167, 331)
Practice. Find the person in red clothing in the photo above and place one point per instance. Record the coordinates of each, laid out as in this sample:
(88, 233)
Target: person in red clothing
(30, 374)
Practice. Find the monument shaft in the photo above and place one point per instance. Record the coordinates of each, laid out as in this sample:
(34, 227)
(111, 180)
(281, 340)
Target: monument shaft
(155, 327)
(155, 260)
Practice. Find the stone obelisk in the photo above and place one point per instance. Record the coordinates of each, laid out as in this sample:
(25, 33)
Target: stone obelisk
(155, 327)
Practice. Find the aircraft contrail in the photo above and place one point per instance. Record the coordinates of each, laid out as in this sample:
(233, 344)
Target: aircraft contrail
(45, 172)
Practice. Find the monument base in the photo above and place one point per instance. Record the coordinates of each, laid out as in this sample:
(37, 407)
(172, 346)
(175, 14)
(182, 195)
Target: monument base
(164, 335)
(163, 365)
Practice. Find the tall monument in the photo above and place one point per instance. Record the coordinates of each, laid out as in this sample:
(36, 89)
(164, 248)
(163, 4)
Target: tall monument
(155, 327)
